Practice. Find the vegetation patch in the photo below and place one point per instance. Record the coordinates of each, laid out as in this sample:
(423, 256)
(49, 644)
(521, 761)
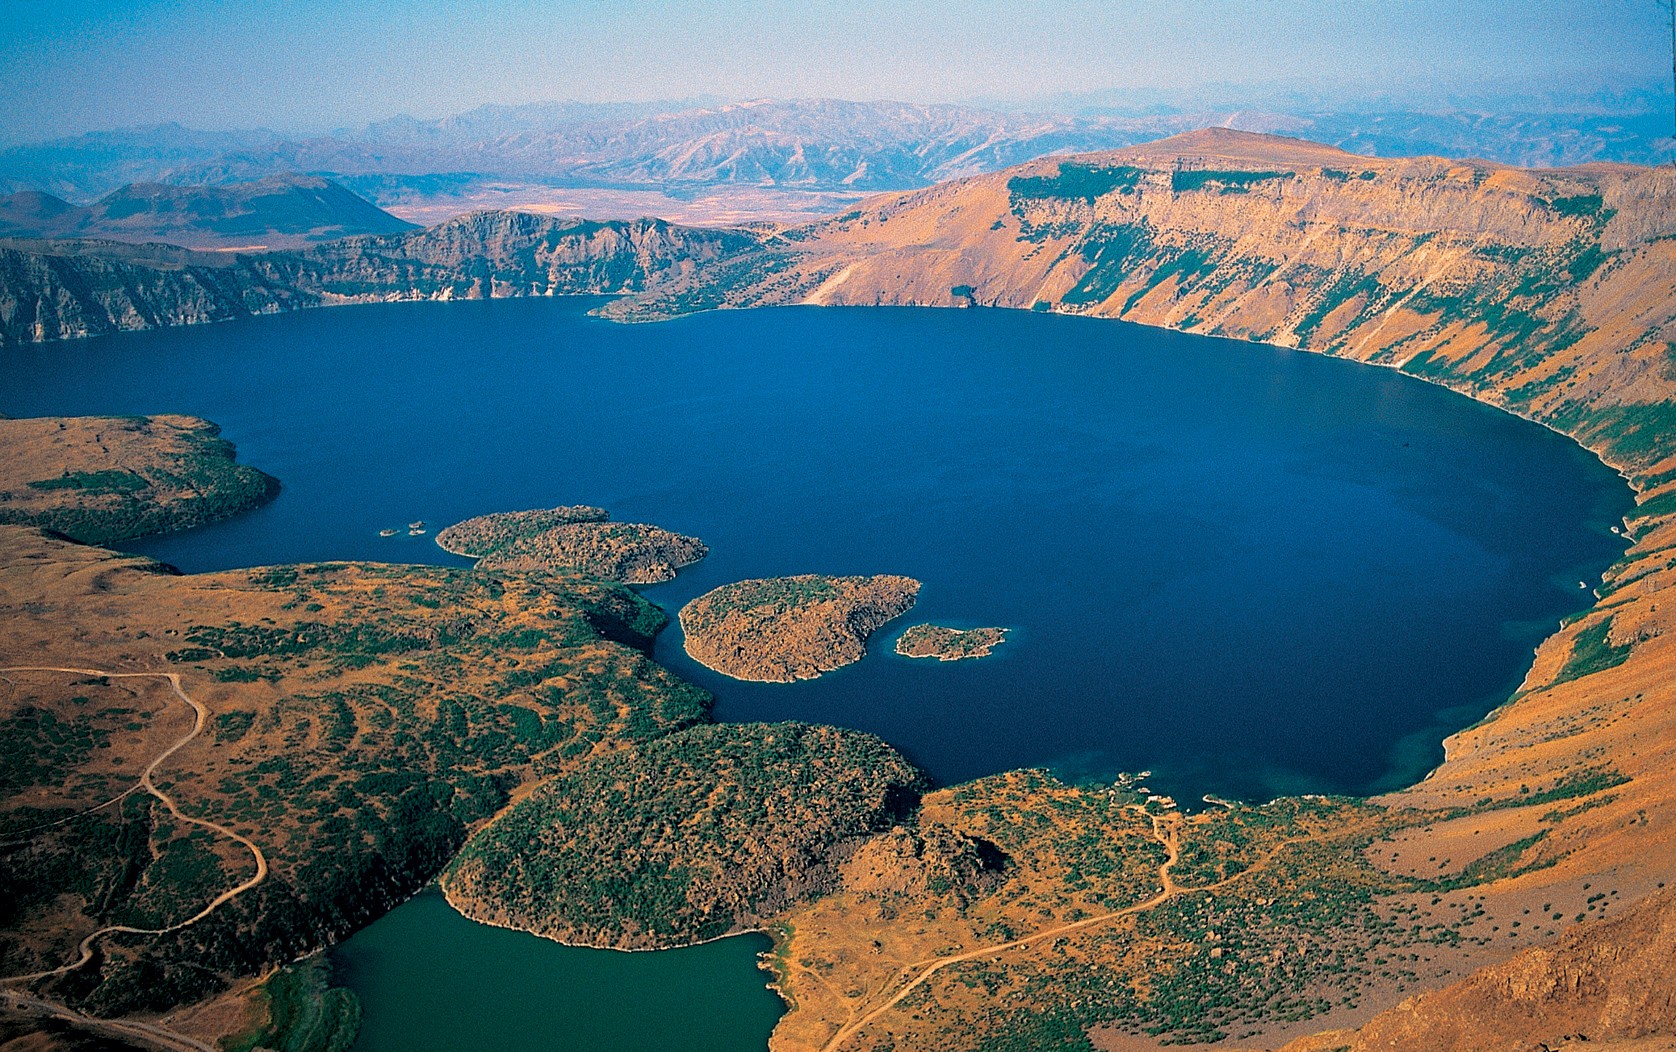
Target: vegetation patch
(1075, 182)
(1592, 650)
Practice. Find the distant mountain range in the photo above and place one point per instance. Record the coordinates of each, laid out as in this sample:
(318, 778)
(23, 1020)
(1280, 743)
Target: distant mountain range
(816, 145)
(277, 212)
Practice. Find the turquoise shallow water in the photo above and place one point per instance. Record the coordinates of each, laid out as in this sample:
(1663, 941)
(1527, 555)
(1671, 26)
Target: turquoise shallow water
(1248, 570)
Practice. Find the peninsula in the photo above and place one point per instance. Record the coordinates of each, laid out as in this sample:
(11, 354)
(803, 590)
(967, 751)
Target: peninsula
(783, 629)
(102, 479)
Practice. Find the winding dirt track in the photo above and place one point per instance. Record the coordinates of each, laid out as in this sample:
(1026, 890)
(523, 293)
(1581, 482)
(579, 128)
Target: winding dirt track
(131, 1029)
(1165, 831)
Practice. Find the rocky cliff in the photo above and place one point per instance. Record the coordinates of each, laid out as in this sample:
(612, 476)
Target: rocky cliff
(67, 289)
(52, 290)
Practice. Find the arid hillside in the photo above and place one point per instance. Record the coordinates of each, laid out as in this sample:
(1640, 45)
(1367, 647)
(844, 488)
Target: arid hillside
(281, 211)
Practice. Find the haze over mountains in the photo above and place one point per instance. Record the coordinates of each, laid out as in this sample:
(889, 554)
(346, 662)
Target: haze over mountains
(541, 154)
(282, 211)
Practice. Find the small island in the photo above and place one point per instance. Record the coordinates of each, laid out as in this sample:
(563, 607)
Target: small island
(949, 644)
(783, 629)
(577, 538)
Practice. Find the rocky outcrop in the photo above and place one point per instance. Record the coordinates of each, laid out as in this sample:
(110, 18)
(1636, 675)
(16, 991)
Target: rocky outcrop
(66, 290)
(782, 629)
(478, 536)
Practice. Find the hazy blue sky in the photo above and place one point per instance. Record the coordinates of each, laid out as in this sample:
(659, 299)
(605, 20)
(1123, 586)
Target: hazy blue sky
(74, 65)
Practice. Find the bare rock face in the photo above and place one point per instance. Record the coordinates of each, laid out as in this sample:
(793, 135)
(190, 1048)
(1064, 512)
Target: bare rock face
(782, 629)
(575, 538)
(64, 289)
(911, 862)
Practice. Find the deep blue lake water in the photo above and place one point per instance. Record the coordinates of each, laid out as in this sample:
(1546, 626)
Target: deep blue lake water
(1249, 570)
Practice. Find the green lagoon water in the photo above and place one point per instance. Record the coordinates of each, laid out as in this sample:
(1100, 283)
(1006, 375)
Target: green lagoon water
(430, 979)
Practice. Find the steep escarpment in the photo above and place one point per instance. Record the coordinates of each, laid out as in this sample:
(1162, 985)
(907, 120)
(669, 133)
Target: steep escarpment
(53, 290)
(1551, 292)
(494, 254)
(60, 290)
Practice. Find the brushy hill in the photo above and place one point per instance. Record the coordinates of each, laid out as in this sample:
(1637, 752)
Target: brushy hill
(364, 719)
(688, 837)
